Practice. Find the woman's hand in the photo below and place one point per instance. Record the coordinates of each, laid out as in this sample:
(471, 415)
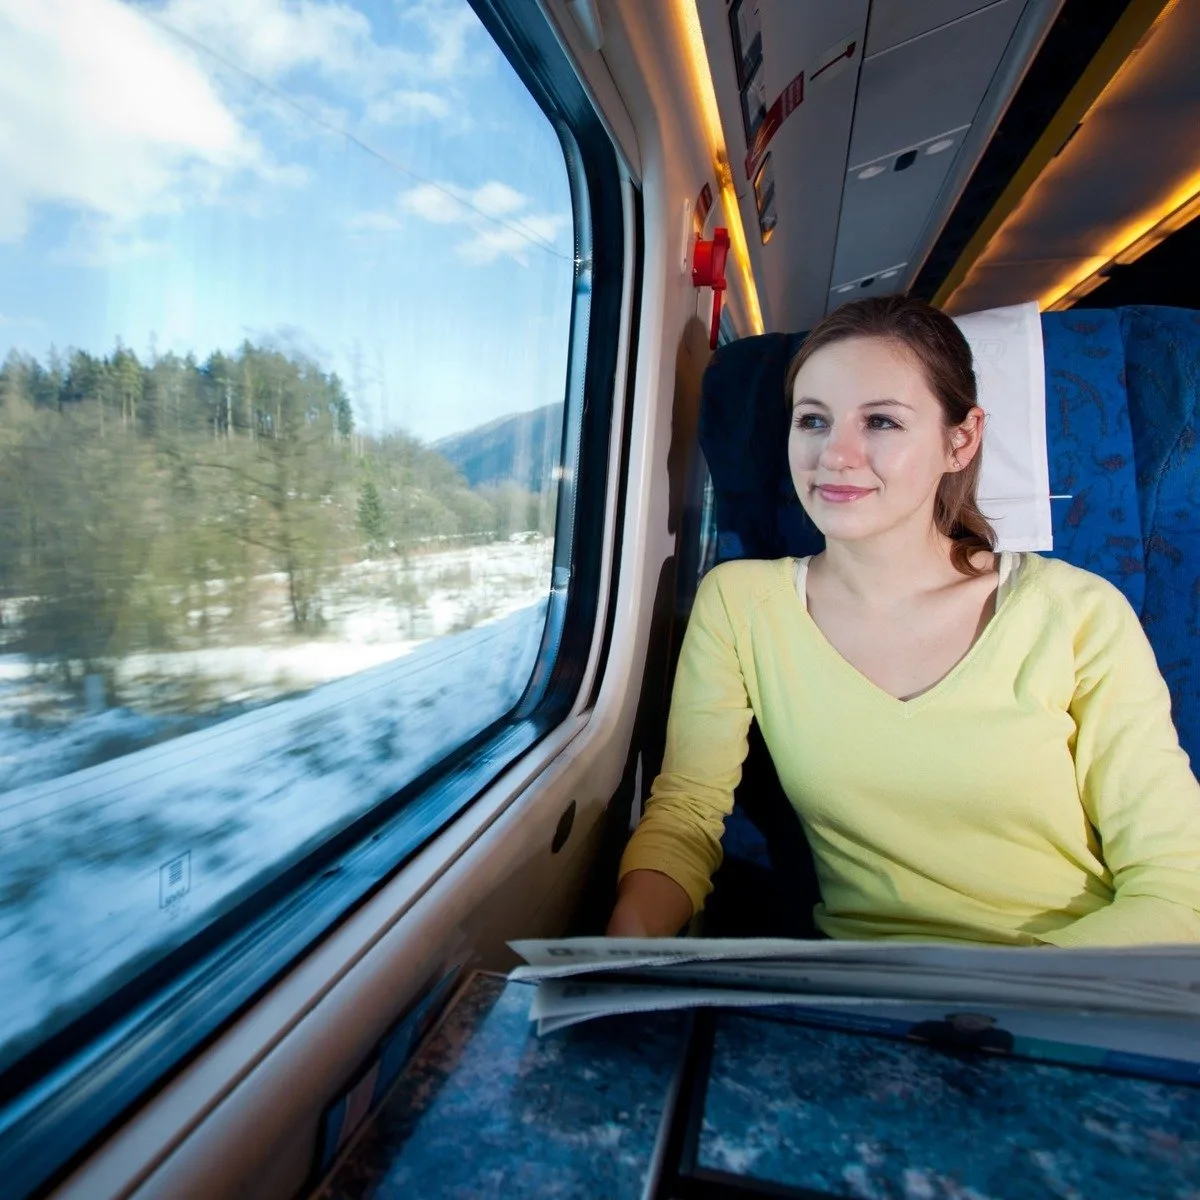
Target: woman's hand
(649, 904)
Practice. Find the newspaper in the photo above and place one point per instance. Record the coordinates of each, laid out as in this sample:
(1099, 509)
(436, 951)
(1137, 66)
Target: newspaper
(1140, 1001)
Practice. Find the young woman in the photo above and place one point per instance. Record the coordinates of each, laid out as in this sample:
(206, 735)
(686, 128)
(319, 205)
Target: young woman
(979, 745)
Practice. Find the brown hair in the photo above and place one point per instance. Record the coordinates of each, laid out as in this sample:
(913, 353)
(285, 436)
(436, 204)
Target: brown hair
(938, 345)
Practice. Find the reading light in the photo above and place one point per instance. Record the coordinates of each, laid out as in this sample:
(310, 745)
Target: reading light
(702, 88)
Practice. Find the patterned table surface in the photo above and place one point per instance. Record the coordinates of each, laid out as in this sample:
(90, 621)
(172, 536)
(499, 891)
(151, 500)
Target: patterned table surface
(488, 1109)
(844, 1114)
(768, 1105)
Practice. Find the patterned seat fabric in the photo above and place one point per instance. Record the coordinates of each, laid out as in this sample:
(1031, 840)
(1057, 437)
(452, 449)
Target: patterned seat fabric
(1090, 449)
(1121, 398)
(1162, 354)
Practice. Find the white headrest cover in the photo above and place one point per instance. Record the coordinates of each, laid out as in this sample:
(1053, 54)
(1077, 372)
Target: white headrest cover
(1014, 487)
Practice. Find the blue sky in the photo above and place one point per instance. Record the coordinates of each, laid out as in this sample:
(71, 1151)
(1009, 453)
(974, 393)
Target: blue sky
(365, 181)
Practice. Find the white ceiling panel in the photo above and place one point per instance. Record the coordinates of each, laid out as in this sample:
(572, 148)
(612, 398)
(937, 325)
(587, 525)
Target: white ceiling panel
(885, 209)
(932, 83)
(808, 151)
(895, 21)
(946, 69)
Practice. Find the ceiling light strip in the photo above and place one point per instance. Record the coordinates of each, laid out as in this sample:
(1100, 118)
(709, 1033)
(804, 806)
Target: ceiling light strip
(702, 88)
(1135, 24)
(1128, 246)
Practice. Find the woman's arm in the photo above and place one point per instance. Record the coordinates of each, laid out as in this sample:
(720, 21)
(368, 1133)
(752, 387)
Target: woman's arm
(649, 904)
(668, 864)
(1136, 785)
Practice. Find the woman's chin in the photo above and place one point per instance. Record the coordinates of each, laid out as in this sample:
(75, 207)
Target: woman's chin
(846, 531)
(844, 525)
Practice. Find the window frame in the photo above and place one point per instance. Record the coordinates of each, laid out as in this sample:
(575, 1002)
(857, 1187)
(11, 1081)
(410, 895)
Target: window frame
(706, 548)
(69, 1092)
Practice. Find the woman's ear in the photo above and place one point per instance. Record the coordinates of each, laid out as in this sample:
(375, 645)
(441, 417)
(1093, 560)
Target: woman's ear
(965, 439)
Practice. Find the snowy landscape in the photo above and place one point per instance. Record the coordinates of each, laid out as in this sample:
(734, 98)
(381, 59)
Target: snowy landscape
(125, 829)
(283, 360)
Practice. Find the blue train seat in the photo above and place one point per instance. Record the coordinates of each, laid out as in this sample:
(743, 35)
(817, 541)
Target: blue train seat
(1162, 372)
(1121, 397)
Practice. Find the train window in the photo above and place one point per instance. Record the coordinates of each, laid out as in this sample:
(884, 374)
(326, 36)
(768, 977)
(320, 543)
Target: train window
(290, 310)
(707, 556)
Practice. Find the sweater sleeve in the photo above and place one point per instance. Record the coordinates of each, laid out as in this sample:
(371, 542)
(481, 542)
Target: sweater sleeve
(680, 833)
(1136, 785)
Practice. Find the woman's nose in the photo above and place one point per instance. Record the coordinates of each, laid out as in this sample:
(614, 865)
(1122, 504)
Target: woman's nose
(842, 448)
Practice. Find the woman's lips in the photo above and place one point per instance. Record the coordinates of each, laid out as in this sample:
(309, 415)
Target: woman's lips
(842, 495)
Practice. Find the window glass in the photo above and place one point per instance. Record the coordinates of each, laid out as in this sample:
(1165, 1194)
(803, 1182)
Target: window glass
(707, 557)
(285, 298)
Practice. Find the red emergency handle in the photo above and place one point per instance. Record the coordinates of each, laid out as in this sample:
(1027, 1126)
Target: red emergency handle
(708, 270)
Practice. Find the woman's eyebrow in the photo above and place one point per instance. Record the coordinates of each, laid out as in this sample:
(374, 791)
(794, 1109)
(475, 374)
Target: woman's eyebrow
(869, 404)
(887, 404)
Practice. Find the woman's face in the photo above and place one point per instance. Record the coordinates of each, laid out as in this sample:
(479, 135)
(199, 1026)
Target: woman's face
(868, 444)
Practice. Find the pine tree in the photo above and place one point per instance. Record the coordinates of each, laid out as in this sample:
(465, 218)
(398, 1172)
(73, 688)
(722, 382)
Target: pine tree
(371, 520)
(148, 504)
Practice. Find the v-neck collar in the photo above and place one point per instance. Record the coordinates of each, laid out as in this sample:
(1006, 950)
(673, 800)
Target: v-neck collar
(947, 681)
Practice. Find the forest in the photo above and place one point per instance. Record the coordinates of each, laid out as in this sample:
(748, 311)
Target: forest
(151, 505)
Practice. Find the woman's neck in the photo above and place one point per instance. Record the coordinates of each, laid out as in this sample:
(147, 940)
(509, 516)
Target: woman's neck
(891, 570)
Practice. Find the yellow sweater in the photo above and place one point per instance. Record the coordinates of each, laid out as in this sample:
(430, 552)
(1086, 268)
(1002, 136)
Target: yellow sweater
(1038, 793)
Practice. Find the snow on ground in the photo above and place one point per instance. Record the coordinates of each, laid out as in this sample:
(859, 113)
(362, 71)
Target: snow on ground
(109, 858)
(375, 613)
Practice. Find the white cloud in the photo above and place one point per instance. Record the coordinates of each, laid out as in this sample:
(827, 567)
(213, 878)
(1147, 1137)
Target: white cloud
(497, 241)
(272, 39)
(497, 199)
(437, 204)
(448, 26)
(100, 111)
(406, 107)
(287, 175)
(494, 218)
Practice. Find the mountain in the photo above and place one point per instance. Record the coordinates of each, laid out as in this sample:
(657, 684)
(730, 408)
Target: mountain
(521, 449)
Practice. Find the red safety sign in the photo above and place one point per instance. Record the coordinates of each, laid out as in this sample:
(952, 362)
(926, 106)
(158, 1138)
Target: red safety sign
(792, 97)
(785, 104)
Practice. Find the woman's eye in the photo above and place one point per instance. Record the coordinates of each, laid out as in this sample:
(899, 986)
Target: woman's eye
(813, 422)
